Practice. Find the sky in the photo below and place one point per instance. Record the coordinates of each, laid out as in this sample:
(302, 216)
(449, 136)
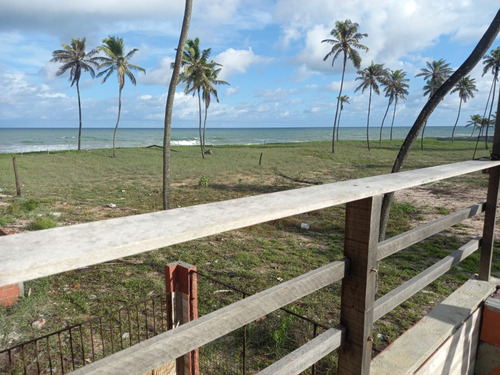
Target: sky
(271, 55)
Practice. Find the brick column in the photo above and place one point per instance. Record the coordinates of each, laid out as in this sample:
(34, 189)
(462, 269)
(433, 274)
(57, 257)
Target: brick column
(181, 283)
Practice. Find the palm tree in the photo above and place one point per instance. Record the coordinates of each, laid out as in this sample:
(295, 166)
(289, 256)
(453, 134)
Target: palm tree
(176, 68)
(370, 78)
(345, 40)
(344, 99)
(117, 61)
(197, 68)
(395, 87)
(475, 121)
(465, 88)
(491, 62)
(208, 91)
(75, 59)
(436, 73)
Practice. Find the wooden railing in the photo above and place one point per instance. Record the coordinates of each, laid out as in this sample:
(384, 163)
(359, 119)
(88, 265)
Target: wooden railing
(31, 255)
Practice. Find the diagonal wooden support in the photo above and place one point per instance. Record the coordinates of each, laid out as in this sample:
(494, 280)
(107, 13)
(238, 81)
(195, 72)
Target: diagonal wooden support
(358, 288)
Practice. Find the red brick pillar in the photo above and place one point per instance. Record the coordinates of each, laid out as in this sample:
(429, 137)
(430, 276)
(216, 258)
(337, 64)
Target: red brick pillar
(181, 283)
(9, 294)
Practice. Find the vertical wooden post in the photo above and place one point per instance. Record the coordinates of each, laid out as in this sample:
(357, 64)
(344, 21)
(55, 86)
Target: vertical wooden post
(358, 288)
(490, 214)
(181, 283)
(16, 175)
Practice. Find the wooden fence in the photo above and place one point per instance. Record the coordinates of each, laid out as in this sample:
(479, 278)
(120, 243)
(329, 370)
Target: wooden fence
(31, 255)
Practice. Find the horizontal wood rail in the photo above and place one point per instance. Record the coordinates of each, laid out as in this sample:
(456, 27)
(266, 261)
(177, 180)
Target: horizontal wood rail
(411, 237)
(172, 344)
(32, 255)
(308, 354)
(397, 296)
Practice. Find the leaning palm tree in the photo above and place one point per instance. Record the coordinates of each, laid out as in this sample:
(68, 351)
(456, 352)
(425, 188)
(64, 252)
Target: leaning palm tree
(196, 69)
(344, 99)
(75, 59)
(208, 91)
(436, 73)
(395, 87)
(370, 78)
(475, 121)
(491, 62)
(116, 60)
(345, 40)
(465, 88)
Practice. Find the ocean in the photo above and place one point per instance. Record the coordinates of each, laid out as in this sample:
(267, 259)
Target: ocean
(20, 140)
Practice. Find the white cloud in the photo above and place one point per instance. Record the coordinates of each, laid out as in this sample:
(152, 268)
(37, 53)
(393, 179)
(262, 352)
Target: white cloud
(160, 75)
(238, 61)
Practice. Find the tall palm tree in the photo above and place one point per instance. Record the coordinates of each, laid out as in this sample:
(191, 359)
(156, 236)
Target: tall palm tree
(345, 40)
(344, 99)
(465, 88)
(75, 59)
(167, 134)
(491, 62)
(395, 87)
(116, 60)
(208, 91)
(196, 70)
(370, 78)
(436, 73)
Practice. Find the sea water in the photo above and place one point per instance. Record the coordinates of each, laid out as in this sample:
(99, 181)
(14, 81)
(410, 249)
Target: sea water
(19, 140)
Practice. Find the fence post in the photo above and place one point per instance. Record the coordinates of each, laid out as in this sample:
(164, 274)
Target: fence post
(490, 214)
(358, 288)
(181, 285)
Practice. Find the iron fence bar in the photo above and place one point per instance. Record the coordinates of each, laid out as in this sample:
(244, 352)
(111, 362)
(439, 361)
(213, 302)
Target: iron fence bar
(154, 318)
(60, 352)
(71, 347)
(10, 361)
(146, 319)
(121, 330)
(36, 357)
(92, 340)
(138, 325)
(48, 353)
(111, 334)
(83, 345)
(129, 327)
(24, 360)
(102, 338)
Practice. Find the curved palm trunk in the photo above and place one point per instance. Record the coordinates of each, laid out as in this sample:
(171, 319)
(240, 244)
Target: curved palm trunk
(80, 116)
(481, 48)
(199, 114)
(205, 128)
(393, 116)
(456, 121)
(338, 102)
(338, 125)
(491, 108)
(368, 120)
(117, 121)
(382, 125)
(170, 103)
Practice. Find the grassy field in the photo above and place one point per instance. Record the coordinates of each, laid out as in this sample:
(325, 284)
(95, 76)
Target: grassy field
(65, 188)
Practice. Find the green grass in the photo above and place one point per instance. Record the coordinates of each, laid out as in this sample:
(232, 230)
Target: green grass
(65, 188)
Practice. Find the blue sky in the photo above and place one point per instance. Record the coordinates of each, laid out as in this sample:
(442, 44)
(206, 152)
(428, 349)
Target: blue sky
(271, 53)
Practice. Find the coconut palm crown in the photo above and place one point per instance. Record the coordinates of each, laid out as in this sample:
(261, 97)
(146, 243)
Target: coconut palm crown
(465, 88)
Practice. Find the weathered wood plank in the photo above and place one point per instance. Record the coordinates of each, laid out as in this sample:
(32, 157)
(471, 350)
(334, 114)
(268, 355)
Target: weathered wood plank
(308, 354)
(490, 218)
(32, 255)
(415, 346)
(403, 240)
(172, 344)
(358, 287)
(397, 296)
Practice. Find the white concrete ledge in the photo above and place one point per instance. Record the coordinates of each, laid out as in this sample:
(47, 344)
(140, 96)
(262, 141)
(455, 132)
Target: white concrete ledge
(415, 346)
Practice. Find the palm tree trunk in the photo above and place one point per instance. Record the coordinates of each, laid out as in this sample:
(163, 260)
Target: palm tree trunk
(170, 103)
(117, 121)
(199, 114)
(456, 121)
(368, 120)
(338, 125)
(80, 116)
(393, 115)
(383, 120)
(338, 102)
(205, 128)
(491, 108)
(464, 69)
